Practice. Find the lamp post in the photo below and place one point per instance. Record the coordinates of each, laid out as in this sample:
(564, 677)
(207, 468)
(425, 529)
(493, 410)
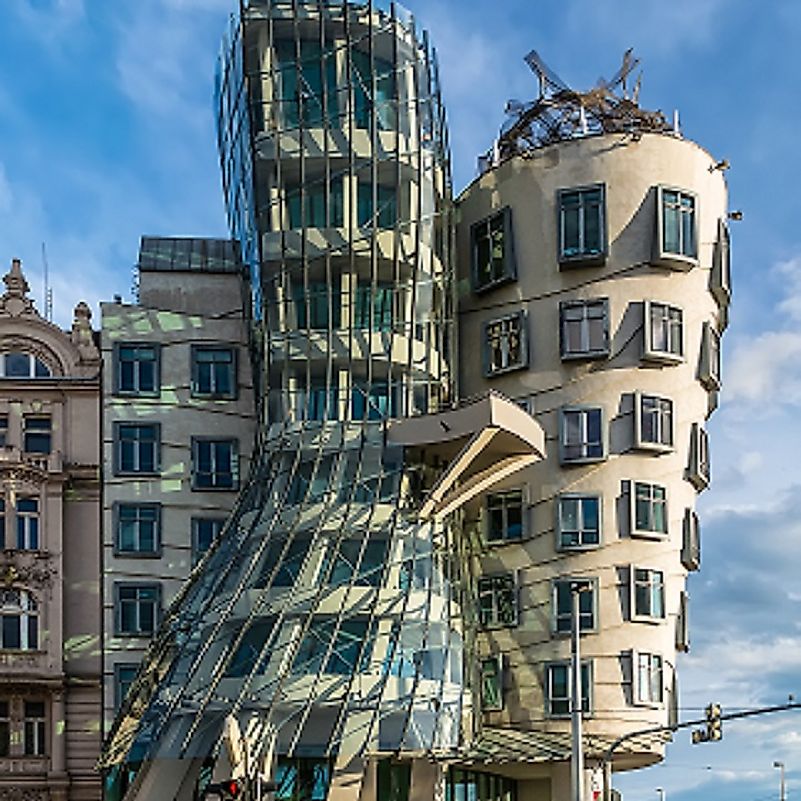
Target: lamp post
(782, 786)
(576, 701)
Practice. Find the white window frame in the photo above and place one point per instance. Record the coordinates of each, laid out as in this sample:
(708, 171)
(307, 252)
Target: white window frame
(504, 501)
(648, 679)
(556, 617)
(578, 498)
(587, 695)
(520, 319)
(709, 367)
(672, 331)
(584, 444)
(28, 529)
(680, 259)
(691, 540)
(34, 362)
(495, 620)
(585, 307)
(663, 411)
(503, 217)
(26, 610)
(653, 500)
(495, 662)
(654, 581)
(698, 467)
(583, 256)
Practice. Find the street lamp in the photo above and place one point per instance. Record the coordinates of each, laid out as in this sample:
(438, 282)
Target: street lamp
(782, 791)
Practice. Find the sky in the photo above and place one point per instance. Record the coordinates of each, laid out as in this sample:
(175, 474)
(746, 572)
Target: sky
(106, 133)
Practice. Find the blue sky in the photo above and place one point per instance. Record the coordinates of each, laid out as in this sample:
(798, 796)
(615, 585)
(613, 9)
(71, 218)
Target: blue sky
(106, 133)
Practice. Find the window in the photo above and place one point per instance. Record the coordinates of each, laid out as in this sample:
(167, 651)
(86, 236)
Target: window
(137, 369)
(563, 604)
(558, 690)
(648, 678)
(358, 563)
(709, 369)
(491, 682)
(27, 524)
(5, 728)
(497, 600)
(677, 226)
(505, 516)
(253, 651)
(578, 523)
(316, 402)
(124, 675)
(375, 401)
(473, 785)
(137, 609)
(283, 564)
(305, 71)
(581, 224)
(213, 372)
(215, 464)
(381, 76)
(3, 430)
(649, 512)
(720, 277)
(302, 779)
(373, 307)
(328, 649)
(311, 212)
(22, 365)
(137, 448)
(653, 422)
(691, 541)
(698, 467)
(683, 623)
(3, 523)
(581, 436)
(648, 594)
(34, 728)
(385, 214)
(317, 305)
(492, 249)
(19, 615)
(138, 527)
(37, 434)
(584, 328)
(664, 332)
(204, 531)
(505, 344)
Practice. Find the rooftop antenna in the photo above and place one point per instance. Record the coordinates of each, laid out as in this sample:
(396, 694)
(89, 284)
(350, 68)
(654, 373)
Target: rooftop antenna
(48, 292)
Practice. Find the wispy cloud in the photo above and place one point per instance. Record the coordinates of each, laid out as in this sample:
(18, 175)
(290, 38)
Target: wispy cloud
(49, 20)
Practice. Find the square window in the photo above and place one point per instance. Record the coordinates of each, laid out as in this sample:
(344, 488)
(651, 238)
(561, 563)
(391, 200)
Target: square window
(558, 691)
(562, 590)
(581, 435)
(582, 225)
(204, 531)
(27, 513)
(647, 594)
(137, 608)
(340, 651)
(136, 369)
(698, 467)
(709, 369)
(497, 600)
(491, 682)
(492, 251)
(137, 448)
(37, 434)
(677, 228)
(649, 510)
(505, 516)
(691, 541)
(648, 678)
(584, 329)
(374, 309)
(316, 402)
(358, 563)
(578, 523)
(653, 423)
(505, 344)
(213, 372)
(312, 212)
(124, 675)
(215, 464)
(387, 206)
(34, 728)
(663, 329)
(138, 529)
(317, 305)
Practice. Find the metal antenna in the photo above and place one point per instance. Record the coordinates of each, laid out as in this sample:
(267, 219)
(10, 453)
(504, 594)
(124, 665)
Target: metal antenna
(47, 300)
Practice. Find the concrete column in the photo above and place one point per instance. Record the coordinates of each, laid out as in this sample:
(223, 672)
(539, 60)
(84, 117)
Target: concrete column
(58, 733)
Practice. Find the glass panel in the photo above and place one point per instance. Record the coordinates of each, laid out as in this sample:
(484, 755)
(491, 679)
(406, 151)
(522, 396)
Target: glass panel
(17, 365)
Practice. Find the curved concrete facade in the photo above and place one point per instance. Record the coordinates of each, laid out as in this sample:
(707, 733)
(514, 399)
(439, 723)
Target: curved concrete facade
(586, 323)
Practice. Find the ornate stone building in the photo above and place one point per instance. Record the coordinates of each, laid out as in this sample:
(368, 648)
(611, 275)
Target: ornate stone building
(50, 693)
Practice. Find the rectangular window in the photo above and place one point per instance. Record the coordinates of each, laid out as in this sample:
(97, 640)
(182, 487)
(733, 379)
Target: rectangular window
(649, 512)
(124, 675)
(359, 563)
(137, 448)
(137, 608)
(677, 228)
(382, 215)
(653, 418)
(204, 531)
(709, 369)
(375, 401)
(584, 328)
(376, 81)
(492, 251)
(34, 728)
(562, 590)
(720, 277)
(136, 369)
(316, 402)
(328, 649)
(215, 464)
(664, 332)
(3, 430)
(581, 224)
(505, 516)
(691, 541)
(505, 344)
(683, 623)
(138, 528)
(578, 521)
(648, 594)
(317, 305)
(305, 71)
(698, 467)
(305, 779)
(213, 372)
(374, 307)
(648, 678)
(308, 208)
(497, 600)
(558, 690)
(27, 524)
(37, 434)
(5, 728)
(491, 682)
(581, 435)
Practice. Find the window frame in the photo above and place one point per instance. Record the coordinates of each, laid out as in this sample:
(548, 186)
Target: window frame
(683, 623)
(121, 552)
(195, 522)
(496, 621)
(34, 362)
(584, 410)
(29, 619)
(31, 523)
(677, 260)
(650, 352)
(587, 698)
(509, 271)
(41, 432)
(497, 662)
(691, 540)
(34, 729)
(233, 368)
(587, 353)
(636, 679)
(234, 464)
(699, 470)
(522, 319)
(157, 608)
(709, 367)
(720, 275)
(501, 497)
(117, 446)
(640, 398)
(579, 497)
(652, 585)
(117, 367)
(583, 257)
(118, 668)
(648, 533)
(556, 617)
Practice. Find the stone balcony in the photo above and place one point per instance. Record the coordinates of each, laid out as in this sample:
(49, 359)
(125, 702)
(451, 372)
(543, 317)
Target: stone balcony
(12, 456)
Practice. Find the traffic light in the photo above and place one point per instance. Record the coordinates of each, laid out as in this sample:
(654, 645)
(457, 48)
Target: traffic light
(714, 725)
(228, 790)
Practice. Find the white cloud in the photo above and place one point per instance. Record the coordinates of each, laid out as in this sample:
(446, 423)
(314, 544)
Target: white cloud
(789, 273)
(49, 20)
(6, 195)
(766, 369)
